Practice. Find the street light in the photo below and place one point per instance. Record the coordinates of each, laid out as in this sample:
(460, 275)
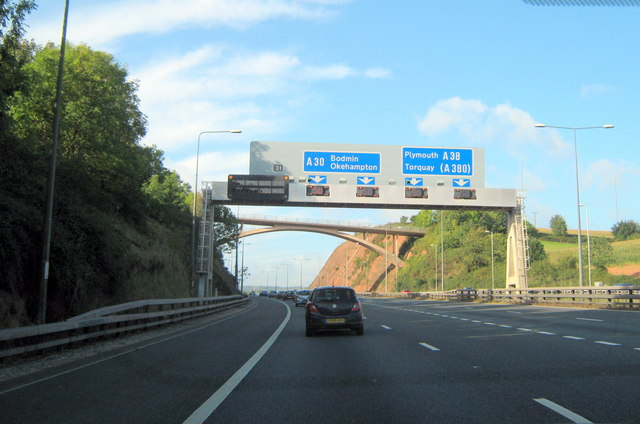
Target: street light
(195, 196)
(301, 260)
(242, 270)
(435, 287)
(575, 149)
(586, 209)
(287, 268)
(493, 280)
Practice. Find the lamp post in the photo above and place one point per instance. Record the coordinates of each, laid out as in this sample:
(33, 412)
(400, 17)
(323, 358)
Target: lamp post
(242, 267)
(493, 280)
(435, 287)
(442, 242)
(51, 181)
(575, 149)
(287, 271)
(586, 210)
(301, 260)
(195, 197)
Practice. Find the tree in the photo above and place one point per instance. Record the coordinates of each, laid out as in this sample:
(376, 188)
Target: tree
(623, 230)
(14, 52)
(558, 226)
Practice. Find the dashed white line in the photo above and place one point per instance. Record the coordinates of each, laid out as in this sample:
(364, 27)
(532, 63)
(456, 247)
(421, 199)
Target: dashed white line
(475, 320)
(385, 327)
(514, 312)
(590, 319)
(575, 418)
(464, 319)
(489, 323)
(573, 337)
(524, 329)
(636, 348)
(505, 326)
(428, 346)
(606, 343)
(546, 333)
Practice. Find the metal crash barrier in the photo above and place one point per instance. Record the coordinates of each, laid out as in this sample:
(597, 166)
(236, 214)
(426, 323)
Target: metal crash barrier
(110, 321)
(622, 297)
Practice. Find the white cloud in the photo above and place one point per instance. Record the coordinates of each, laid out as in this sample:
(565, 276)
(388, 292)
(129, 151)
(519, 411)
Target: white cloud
(376, 73)
(604, 174)
(593, 90)
(502, 125)
(100, 23)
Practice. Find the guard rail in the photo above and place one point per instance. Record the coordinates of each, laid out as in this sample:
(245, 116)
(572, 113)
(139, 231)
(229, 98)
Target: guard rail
(591, 297)
(109, 321)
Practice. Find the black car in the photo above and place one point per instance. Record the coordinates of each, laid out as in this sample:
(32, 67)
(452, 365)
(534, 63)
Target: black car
(331, 308)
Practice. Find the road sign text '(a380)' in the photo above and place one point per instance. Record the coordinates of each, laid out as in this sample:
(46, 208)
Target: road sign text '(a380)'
(437, 161)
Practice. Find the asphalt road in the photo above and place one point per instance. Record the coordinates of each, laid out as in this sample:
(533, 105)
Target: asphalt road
(418, 361)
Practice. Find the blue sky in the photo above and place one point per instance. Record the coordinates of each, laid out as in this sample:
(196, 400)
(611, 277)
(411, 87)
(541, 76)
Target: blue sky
(460, 73)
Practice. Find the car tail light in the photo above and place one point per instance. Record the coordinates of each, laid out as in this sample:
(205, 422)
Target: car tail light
(311, 307)
(356, 307)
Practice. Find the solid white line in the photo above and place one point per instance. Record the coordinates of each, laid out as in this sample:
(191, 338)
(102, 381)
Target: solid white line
(563, 411)
(428, 346)
(125, 352)
(607, 343)
(573, 337)
(514, 312)
(201, 414)
(385, 327)
(590, 319)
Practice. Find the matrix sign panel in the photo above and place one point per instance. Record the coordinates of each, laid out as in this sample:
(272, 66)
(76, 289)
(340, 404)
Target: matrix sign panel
(437, 161)
(343, 162)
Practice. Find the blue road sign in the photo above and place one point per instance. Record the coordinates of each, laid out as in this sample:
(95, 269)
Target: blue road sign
(317, 179)
(414, 182)
(461, 182)
(366, 181)
(437, 161)
(343, 162)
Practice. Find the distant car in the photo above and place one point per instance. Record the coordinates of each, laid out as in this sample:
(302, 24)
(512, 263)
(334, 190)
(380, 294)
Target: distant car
(288, 295)
(301, 297)
(406, 291)
(273, 293)
(330, 308)
(264, 293)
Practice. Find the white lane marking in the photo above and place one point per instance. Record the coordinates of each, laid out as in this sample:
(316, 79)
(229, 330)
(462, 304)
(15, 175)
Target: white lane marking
(524, 329)
(575, 418)
(464, 319)
(590, 319)
(636, 348)
(445, 316)
(475, 320)
(547, 333)
(454, 317)
(489, 323)
(514, 312)
(428, 346)
(505, 326)
(201, 414)
(573, 337)
(385, 327)
(126, 352)
(606, 343)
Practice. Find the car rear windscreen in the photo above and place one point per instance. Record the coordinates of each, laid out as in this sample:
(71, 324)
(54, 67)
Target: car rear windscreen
(334, 295)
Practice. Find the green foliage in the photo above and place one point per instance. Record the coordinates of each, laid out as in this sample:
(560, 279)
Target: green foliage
(558, 225)
(624, 230)
(121, 221)
(601, 252)
(536, 250)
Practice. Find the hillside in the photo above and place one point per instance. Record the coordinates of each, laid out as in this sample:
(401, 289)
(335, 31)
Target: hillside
(468, 261)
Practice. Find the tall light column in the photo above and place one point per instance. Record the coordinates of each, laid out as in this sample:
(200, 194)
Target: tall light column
(195, 197)
(493, 279)
(301, 260)
(586, 210)
(435, 287)
(287, 271)
(575, 149)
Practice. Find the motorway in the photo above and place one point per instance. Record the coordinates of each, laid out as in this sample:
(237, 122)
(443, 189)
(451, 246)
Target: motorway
(418, 362)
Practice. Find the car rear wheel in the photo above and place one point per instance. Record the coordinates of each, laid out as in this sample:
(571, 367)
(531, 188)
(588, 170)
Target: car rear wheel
(360, 331)
(308, 332)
